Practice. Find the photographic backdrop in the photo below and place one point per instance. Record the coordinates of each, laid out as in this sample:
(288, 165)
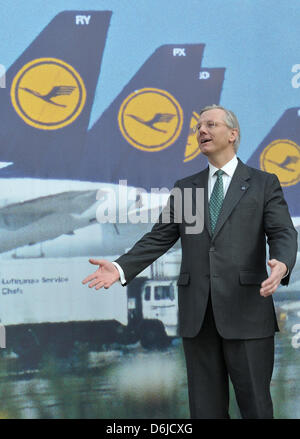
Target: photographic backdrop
(98, 100)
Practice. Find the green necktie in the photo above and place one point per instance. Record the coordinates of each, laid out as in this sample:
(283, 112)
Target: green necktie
(216, 199)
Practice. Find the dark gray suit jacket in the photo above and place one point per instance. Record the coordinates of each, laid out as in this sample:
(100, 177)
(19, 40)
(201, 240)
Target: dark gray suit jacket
(231, 263)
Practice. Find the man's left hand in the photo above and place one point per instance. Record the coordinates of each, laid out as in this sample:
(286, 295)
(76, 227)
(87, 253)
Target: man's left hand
(270, 285)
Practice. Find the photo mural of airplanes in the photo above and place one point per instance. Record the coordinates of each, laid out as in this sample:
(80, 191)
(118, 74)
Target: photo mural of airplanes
(45, 111)
(279, 153)
(55, 173)
(147, 130)
(46, 105)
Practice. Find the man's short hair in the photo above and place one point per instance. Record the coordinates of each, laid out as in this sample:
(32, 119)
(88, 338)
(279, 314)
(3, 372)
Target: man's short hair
(230, 120)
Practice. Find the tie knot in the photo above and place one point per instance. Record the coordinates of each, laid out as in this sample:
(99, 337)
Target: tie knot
(219, 173)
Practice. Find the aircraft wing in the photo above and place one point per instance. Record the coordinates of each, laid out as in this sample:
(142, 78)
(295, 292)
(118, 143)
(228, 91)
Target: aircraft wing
(18, 215)
(48, 217)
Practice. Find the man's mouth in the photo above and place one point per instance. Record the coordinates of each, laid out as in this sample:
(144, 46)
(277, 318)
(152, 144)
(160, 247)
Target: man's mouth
(205, 141)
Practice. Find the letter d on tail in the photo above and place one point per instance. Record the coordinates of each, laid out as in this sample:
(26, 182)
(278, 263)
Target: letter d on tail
(2, 337)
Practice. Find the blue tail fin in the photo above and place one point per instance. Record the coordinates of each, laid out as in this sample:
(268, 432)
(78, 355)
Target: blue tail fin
(45, 107)
(279, 153)
(145, 135)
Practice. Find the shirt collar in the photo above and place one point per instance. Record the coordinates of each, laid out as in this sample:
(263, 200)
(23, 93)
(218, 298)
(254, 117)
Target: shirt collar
(228, 168)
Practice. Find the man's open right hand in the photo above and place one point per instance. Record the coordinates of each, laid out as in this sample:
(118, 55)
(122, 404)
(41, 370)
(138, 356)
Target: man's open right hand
(106, 275)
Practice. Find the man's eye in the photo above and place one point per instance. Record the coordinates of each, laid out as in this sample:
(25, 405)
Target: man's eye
(210, 124)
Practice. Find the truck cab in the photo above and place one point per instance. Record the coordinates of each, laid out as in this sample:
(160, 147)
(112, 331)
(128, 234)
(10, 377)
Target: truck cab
(159, 312)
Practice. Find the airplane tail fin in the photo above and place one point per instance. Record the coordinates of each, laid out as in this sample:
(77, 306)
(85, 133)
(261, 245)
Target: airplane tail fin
(45, 107)
(279, 153)
(145, 136)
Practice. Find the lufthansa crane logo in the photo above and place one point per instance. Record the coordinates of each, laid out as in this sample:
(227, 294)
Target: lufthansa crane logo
(150, 119)
(192, 147)
(48, 93)
(282, 157)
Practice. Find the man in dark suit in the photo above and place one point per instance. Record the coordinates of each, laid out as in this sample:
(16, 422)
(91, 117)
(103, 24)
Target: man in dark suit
(226, 311)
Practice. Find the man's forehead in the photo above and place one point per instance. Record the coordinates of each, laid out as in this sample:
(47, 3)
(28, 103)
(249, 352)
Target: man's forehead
(212, 114)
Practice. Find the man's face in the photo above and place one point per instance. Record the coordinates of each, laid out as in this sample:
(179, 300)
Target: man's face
(213, 135)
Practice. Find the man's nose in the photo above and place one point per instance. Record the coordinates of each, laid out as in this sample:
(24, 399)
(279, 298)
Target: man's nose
(203, 129)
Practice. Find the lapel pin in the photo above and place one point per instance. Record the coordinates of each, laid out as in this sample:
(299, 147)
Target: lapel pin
(243, 188)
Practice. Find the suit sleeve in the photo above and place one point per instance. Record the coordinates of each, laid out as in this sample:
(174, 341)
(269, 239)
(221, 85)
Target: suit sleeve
(281, 234)
(152, 245)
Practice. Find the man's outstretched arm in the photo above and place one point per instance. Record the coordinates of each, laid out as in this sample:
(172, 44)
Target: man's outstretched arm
(151, 246)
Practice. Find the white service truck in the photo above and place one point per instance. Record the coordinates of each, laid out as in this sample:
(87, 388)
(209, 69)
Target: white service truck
(45, 308)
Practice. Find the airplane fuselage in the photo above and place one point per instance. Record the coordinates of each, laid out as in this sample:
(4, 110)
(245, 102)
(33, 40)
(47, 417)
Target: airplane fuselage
(70, 218)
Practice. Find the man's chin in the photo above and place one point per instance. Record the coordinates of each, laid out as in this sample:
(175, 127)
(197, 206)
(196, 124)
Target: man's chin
(206, 148)
(205, 151)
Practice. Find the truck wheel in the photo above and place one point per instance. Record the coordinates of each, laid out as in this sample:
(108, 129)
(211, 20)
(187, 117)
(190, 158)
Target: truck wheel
(153, 335)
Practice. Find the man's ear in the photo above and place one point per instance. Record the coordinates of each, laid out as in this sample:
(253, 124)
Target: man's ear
(233, 135)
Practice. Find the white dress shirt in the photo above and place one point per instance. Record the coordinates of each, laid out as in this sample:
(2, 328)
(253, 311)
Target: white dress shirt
(228, 169)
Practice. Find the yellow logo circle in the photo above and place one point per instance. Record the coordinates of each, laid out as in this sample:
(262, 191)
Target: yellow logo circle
(192, 148)
(48, 93)
(150, 119)
(282, 157)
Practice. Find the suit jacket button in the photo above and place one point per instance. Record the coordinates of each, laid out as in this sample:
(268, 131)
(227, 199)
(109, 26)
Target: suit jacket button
(212, 249)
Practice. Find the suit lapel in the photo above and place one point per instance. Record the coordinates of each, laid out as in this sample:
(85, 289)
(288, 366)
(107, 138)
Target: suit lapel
(201, 181)
(236, 190)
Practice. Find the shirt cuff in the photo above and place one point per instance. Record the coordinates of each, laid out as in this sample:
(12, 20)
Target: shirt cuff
(286, 274)
(121, 273)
